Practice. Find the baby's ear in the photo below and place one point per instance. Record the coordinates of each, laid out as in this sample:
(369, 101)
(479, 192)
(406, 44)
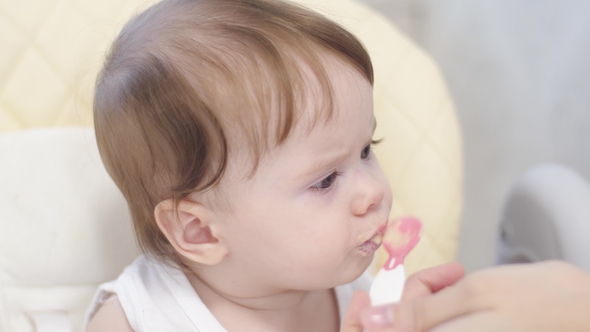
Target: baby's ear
(190, 228)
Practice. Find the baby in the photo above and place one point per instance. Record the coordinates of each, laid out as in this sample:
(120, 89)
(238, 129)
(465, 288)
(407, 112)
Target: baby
(240, 134)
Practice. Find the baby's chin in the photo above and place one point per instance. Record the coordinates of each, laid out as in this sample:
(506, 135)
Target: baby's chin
(355, 270)
(350, 268)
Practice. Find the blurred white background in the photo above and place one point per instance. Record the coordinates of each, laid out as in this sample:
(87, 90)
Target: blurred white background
(519, 72)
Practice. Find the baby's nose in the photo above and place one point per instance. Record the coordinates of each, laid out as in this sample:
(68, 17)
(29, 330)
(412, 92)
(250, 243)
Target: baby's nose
(370, 193)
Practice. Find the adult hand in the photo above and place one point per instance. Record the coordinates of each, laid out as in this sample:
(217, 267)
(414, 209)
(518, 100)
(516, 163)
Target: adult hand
(360, 316)
(548, 296)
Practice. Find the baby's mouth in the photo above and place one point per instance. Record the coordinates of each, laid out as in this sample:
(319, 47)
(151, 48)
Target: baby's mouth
(371, 245)
(368, 248)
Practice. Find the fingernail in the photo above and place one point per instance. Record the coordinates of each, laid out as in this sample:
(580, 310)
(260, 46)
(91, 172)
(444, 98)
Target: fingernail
(377, 317)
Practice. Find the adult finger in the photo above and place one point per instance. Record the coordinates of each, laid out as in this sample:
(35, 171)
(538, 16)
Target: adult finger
(351, 322)
(481, 321)
(421, 314)
(428, 311)
(420, 284)
(432, 280)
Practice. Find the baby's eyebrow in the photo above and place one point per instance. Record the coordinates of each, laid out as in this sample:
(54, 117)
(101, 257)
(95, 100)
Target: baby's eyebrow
(332, 160)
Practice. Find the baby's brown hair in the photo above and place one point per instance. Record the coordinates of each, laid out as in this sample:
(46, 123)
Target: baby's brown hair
(186, 77)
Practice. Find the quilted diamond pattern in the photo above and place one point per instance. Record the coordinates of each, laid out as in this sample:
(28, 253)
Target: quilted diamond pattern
(51, 53)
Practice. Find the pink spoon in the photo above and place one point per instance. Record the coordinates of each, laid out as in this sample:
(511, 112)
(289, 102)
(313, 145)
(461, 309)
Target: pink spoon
(400, 238)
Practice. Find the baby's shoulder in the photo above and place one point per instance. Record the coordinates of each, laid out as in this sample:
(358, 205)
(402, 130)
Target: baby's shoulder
(109, 317)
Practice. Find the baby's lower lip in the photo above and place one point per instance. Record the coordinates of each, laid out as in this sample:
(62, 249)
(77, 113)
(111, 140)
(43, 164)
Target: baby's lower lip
(368, 248)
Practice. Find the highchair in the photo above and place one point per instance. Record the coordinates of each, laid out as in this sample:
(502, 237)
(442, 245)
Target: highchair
(64, 226)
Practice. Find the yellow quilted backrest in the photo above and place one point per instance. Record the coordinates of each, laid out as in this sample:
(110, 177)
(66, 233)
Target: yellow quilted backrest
(52, 50)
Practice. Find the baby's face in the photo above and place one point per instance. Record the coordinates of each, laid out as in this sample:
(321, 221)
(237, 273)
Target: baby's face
(314, 213)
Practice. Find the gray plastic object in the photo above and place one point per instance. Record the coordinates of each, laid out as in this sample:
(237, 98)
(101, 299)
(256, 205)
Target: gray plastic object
(547, 216)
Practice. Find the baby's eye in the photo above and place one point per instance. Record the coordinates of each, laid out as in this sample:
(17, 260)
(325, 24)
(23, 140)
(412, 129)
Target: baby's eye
(326, 183)
(367, 150)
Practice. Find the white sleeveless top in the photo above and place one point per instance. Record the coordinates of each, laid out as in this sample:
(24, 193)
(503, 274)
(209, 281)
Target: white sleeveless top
(157, 297)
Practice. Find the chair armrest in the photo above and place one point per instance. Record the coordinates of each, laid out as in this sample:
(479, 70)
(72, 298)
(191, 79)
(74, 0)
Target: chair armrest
(547, 216)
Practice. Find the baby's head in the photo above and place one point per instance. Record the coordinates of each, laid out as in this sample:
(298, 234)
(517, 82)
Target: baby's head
(227, 123)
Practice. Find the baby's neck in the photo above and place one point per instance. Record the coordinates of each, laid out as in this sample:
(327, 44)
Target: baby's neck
(282, 311)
